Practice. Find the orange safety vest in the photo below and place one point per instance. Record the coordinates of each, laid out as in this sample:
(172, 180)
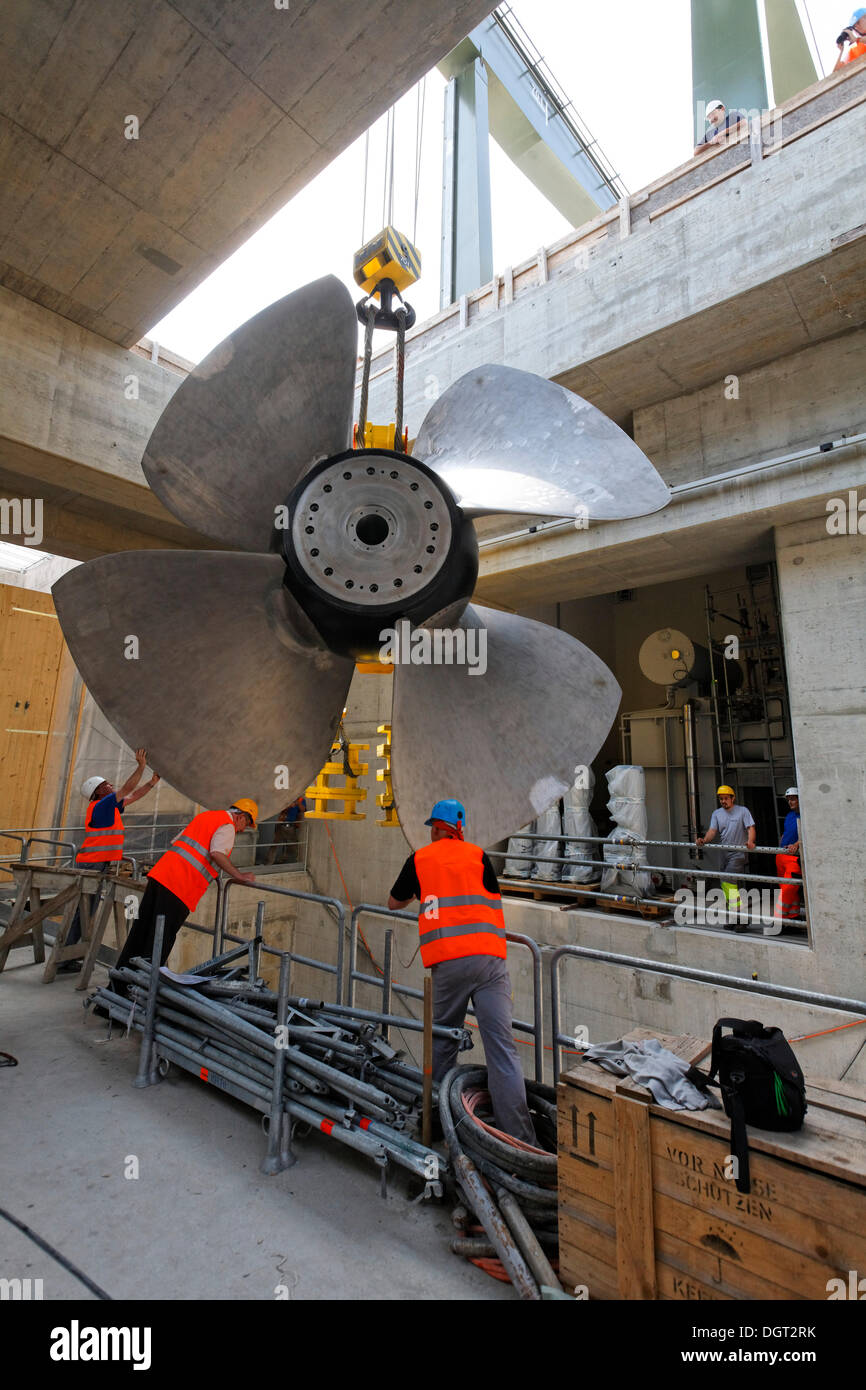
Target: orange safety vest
(100, 843)
(186, 869)
(458, 916)
(854, 52)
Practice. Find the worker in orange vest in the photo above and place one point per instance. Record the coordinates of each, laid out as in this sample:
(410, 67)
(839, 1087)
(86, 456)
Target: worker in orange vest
(102, 847)
(462, 932)
(181, 877)
(851, 43)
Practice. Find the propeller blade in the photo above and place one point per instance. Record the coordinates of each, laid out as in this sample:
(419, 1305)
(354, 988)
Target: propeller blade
(508, 441)
(504, 738)
(218, 685)
(272, 399)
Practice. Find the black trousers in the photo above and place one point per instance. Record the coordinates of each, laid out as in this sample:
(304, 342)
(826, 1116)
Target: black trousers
(157, 901)
(75, 928)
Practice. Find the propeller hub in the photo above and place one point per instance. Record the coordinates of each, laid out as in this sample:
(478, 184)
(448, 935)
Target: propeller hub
(374, 535)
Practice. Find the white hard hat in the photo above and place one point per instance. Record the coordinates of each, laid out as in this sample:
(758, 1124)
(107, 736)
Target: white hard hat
(792, 791)
(711, 105)
(89, 785)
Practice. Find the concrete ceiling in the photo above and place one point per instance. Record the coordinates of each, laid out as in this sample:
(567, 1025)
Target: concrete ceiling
(239, 104)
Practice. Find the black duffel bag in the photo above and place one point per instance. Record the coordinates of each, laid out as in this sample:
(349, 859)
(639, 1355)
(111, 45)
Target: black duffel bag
(760, 1081)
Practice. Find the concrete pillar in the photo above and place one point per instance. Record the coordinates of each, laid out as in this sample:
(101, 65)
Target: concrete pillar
(822, 584)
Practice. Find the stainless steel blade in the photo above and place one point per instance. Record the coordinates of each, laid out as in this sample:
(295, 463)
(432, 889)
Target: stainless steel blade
(191, 655)
(272, 399)
(505, 740)
(508, 441)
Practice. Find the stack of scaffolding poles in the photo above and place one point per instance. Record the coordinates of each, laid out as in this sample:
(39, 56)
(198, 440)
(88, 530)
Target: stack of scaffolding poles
(510, 1187)
(298, 1061)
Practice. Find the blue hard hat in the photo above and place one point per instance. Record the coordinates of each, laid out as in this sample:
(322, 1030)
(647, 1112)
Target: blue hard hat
(451, 812)
(858, 14)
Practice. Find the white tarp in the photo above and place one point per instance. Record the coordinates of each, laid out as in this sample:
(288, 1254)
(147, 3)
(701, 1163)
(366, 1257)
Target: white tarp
(548, 823)
(627, 805)
(577, 821)
(520, 868)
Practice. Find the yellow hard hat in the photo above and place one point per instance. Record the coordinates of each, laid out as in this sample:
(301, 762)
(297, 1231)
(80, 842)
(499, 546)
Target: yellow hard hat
(726, 791)
(243, 803)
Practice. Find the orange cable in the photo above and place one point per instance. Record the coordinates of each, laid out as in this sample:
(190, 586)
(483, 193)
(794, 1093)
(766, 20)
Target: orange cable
(804, 1037)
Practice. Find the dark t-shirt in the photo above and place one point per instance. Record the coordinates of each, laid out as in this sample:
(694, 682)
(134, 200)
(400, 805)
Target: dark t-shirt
(732, 118)
(103, 812)
(407, 885)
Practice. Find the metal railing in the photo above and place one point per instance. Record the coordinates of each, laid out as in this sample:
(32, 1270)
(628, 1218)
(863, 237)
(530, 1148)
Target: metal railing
(28, 838)
(670, 871)
(683, 972)
(386, 983)
(331, 968)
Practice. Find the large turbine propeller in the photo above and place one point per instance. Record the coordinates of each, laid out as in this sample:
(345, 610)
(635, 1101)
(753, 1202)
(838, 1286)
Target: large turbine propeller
(244, 659)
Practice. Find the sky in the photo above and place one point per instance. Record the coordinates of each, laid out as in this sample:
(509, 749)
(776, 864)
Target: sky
(629, 78)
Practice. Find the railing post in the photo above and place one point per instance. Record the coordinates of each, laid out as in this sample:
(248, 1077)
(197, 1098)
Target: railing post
(386, 978)
(147, 1073)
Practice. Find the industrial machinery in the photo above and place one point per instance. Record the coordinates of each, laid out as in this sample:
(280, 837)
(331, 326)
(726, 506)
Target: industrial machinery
(245, 655)
(674, 743)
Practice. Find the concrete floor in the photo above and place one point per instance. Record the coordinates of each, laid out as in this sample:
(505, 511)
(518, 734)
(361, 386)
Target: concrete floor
(200, 1221)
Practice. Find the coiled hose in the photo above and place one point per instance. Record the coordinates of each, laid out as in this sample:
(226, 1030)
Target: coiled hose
(518, 1198)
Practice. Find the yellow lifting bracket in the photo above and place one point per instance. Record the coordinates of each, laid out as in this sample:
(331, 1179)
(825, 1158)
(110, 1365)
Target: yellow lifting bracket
(385, 799)
(334, 784)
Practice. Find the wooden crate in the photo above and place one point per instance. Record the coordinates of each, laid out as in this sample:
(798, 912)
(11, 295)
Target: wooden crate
(645, 1209)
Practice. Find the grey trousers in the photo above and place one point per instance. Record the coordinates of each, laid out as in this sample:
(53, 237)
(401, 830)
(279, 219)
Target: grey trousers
(484, 980)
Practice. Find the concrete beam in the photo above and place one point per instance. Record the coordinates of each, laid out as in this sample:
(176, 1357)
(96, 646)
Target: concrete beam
(75, 414)
(731, 522)
(145, 140)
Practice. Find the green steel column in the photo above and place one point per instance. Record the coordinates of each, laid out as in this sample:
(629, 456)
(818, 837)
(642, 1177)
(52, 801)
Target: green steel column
(727, 57)
(467, 225)
(791, 61)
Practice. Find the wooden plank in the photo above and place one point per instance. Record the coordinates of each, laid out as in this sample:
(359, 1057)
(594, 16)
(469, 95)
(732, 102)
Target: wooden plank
(788, 1205)
(582, 1235)
(677, 1286)
(32, 919)
(584, 1182)
(714, 1272)
(824, 1144)
(60, 951)
(842, 1097)
(578, 1271)
(31, 647)
(95, 937)
(632, 1178)
(795, 1272)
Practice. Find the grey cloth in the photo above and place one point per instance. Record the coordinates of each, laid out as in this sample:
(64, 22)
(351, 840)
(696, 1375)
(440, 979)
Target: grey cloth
(732, 827)
(655, 1067)
(484, 980)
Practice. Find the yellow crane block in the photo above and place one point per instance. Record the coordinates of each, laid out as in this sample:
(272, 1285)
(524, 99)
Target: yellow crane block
(326, 791)
(385, 799)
